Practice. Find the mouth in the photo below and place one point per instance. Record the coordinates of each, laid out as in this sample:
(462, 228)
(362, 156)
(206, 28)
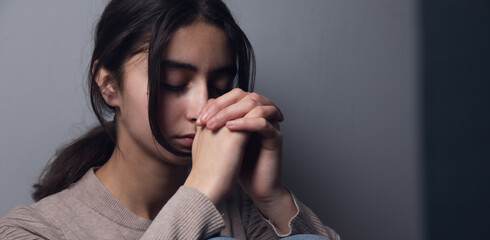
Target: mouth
(186, 140)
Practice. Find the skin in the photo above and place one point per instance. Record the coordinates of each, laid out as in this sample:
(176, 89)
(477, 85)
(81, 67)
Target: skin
(234, 138)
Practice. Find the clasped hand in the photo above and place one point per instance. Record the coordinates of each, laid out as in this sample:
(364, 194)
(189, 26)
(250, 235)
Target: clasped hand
(238, 139)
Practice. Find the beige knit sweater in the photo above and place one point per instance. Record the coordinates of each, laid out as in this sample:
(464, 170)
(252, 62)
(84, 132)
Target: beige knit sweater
(87, 210)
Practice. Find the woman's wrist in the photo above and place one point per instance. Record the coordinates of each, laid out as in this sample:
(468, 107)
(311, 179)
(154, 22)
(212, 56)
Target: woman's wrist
(205, 189)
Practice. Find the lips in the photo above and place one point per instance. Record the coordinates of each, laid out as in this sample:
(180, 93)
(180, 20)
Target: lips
(186, 140)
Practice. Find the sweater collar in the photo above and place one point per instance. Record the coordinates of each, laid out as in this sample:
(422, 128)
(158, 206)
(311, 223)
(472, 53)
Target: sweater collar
(93, 193)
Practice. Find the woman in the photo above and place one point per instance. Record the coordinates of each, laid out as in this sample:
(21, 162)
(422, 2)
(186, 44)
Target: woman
(162, 71)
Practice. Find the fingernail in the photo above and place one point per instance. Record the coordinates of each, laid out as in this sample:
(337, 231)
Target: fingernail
(198, 121)
(204, 117)
(231, 123)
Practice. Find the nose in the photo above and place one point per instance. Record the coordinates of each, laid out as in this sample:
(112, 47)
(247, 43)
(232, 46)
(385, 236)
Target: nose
(198, 97)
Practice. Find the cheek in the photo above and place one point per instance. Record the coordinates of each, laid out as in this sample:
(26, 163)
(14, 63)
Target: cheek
(136, 112)
(171, 113)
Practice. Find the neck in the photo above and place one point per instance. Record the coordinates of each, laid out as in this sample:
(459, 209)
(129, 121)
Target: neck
(143, 185)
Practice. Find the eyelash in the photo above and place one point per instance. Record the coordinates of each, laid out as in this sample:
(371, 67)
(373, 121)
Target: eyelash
(174, 88)
(179, 88)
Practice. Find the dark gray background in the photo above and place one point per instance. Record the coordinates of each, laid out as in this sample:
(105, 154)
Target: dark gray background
(344, 73)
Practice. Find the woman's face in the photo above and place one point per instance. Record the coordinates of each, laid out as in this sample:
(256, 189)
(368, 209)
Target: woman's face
(198, 65)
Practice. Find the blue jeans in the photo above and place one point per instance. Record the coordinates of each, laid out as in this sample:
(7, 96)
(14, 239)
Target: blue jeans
(294, 237)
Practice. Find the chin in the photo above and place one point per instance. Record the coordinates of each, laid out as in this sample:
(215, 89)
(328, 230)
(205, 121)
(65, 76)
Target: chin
(182, 160)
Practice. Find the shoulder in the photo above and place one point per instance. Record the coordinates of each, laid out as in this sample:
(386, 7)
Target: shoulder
(41, 220)
(27, 222)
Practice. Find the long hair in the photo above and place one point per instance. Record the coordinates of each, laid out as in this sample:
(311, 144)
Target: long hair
(126, 28)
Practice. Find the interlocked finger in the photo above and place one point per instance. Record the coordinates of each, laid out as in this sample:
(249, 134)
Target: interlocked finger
(236, 96)
(232, 112)
(270, 133)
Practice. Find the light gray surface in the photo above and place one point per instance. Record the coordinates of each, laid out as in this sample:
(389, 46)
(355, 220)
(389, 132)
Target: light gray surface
(343, 72)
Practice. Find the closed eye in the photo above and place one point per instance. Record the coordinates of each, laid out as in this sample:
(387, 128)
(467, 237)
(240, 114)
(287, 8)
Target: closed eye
(216, 91)
(174, 88)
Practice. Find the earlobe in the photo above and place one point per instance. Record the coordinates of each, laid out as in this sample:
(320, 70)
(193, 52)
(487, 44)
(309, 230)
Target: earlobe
(107, 86)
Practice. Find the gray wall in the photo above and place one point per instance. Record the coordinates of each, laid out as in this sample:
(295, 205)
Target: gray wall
(44, 52)
(343, 72)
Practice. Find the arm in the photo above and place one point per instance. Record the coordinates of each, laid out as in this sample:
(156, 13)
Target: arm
(189, 214)
(26, 223)
(259, 169)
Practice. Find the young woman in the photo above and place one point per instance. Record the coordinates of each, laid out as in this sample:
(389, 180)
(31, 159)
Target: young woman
(169, 84)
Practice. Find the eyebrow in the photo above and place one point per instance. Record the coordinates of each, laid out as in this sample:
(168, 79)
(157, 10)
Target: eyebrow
(229, 69)
(175, 64)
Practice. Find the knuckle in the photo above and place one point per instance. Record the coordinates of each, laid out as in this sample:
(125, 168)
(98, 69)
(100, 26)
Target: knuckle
(208, 103)
(255, 96)
(225, 111)
(215, 105)
(277, 113)
(211, 109)
(236, 91)
(250, 103)
(260, 110)
(276, 108)
(263, 123)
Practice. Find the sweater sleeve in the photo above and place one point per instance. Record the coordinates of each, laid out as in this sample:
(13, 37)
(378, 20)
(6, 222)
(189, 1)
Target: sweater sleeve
(189, 214)
(26, 223)
(304, 222)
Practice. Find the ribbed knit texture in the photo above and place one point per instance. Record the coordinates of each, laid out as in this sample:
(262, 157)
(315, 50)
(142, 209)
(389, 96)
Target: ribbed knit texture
(87, 210)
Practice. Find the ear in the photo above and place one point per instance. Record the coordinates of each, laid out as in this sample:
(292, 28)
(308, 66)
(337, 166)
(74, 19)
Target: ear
(107, 86)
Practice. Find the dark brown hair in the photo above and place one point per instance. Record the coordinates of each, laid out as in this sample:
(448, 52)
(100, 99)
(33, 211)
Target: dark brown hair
(126, 28)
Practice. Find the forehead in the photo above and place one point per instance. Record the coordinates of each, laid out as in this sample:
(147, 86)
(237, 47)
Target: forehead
(200, 44)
